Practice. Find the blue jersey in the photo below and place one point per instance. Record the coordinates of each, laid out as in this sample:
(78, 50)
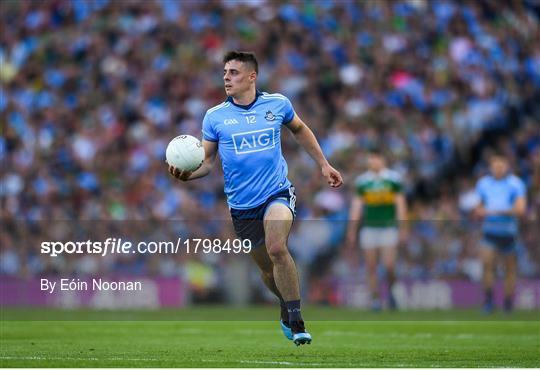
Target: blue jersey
(249, 145)
(500, 195)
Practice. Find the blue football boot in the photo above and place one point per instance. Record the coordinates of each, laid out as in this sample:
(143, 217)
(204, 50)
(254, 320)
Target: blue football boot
(302, 338)
(287, 332)
(300, 335)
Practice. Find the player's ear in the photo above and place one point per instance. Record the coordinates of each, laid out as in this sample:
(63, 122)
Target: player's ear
(253, 76)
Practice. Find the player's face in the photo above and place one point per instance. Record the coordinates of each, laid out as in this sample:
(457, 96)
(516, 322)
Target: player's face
(375, 162)
(237, 78)
(498, 167)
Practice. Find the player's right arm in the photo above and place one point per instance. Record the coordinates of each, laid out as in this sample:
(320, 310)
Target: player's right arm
(401, 213)
(520, 207)
(479, 211)
(355, 216)
(210, 151)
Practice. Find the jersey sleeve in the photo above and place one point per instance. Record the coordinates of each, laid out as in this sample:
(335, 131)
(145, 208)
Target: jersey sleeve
(209, 132)
(359, 186)
(288, 112)
(519, 188)
(397, 184)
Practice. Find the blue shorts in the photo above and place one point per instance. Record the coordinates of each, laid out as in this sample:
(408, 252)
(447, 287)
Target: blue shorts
(503, 244)
(249, 223)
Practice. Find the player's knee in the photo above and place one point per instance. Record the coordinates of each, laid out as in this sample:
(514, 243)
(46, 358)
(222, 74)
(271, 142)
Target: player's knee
(278, 253)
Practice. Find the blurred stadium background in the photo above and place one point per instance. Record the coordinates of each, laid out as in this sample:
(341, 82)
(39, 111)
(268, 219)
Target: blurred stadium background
(92, 91)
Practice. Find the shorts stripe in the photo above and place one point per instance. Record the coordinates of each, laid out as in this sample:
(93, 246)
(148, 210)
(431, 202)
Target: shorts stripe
(292, 200)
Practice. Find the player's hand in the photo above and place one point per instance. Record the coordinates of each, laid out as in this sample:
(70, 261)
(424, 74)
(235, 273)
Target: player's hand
(333, 177)
(480, 212)
(179, 174)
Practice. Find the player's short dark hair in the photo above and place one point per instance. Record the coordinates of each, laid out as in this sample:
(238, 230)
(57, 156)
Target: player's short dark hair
(242, 56)
(498, 155)
(376, 152)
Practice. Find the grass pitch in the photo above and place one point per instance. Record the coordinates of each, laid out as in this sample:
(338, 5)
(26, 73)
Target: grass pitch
(402, 339)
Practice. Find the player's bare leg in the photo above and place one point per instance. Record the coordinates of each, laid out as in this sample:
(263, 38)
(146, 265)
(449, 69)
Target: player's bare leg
(487, 256)
(277, 225)
(371, 256)
(510, 272)
(389, 255)
(261, 258)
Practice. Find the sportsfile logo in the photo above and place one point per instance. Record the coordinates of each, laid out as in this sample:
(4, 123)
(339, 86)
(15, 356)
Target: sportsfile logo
(254, 141)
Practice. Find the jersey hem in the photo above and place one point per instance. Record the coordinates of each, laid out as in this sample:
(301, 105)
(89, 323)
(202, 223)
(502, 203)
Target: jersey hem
(259, 203)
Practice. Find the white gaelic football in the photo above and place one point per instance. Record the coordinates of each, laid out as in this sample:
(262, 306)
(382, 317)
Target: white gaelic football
(185, 152)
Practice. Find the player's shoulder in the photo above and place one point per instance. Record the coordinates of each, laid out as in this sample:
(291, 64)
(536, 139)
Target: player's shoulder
(485, 180)
(364, 178)
(391, 175)
(273, 96)
(217, 109)
(515, 180)
(279, 101)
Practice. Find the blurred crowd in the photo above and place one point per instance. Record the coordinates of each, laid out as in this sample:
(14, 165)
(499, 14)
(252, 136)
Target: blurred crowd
(92, 91)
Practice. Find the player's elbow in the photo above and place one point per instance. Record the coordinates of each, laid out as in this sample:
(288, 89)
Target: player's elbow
(520, 211)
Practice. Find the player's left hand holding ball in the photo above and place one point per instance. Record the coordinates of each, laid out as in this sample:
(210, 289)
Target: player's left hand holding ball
(179, 174)
(185, 154)
(333, 177)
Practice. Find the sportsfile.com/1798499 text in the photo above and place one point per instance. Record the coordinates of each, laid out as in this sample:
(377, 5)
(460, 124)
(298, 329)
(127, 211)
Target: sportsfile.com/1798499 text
(120, 246)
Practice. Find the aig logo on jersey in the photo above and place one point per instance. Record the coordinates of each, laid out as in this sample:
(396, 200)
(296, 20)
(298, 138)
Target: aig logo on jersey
(254, 141)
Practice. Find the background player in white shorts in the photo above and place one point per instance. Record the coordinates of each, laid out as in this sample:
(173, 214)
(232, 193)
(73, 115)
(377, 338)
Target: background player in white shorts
(378, 203)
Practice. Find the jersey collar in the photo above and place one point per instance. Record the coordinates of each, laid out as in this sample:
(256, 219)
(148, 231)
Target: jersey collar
(504, 178)
(246, 107)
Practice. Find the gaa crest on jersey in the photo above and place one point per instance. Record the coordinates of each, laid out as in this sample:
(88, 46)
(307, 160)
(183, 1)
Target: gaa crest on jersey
(269, 116)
